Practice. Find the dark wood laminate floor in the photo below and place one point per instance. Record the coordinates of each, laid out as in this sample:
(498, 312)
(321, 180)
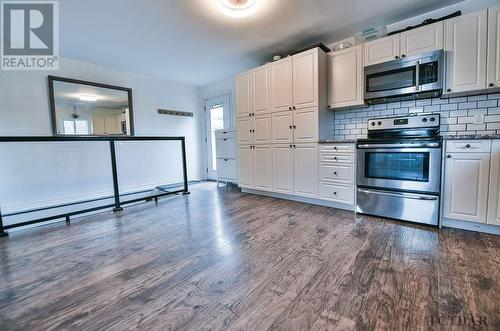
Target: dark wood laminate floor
(220, 259)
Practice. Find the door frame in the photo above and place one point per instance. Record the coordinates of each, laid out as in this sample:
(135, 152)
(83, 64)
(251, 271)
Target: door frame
(224, 98)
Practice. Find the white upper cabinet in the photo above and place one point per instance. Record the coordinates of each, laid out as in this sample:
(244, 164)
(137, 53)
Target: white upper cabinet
(466, 186)
(494, 47)
(382, 50)
(262, 129)
(465, 46)
(306, 170)
(262, 168)
(494, 197)
(281, 84)
(306, 79)
(261, 89)
(422, 40)
(282, 127)
(244, 94)
(345, 77)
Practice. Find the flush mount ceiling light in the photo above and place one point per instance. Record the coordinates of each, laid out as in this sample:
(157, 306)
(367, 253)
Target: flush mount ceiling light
(237, 8)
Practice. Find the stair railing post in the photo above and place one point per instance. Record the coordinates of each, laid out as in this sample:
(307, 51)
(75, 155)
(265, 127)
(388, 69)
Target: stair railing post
(184, 166)
(115, 176)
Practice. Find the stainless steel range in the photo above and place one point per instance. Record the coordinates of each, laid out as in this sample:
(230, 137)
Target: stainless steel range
(399, 168)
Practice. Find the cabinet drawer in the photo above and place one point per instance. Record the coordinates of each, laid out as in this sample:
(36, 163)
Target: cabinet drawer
(226, 169)
(335, 148)
(341, 173)
(465, 146)
(220, 134)
(226, 147)
(336, 158)
(337, 193)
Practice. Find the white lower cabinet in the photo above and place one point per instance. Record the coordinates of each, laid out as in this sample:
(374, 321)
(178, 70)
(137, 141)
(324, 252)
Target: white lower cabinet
(246, 166)
(466, 185)
(494, 197)
(336, 192)
(282, 156)
(255, 167)
(337, 173)
(262, 166)
(306, 170)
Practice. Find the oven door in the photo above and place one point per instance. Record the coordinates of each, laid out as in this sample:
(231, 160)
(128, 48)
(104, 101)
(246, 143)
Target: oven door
(413, 169)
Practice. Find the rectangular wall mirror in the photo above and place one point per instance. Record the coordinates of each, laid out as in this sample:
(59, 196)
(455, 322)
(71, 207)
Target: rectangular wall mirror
(83, 108)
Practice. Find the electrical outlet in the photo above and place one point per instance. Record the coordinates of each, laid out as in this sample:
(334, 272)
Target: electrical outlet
(479, 119)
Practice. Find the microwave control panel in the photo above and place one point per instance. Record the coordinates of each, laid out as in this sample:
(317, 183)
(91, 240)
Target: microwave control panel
(429, 72)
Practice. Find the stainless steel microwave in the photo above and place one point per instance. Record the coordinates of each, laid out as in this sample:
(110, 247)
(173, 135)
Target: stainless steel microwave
(418, 76)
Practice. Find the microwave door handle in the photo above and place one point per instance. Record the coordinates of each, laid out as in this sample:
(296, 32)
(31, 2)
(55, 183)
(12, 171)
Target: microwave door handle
(417, 74)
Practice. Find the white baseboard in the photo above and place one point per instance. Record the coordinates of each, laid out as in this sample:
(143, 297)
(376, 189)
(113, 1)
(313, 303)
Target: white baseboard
(471, 226)
(311, 201)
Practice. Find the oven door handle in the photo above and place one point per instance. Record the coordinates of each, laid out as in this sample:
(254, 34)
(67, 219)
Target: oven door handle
(420, 145)
(400, 195)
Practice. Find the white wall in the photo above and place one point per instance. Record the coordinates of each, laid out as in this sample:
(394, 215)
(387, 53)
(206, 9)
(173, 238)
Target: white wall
(24, 110)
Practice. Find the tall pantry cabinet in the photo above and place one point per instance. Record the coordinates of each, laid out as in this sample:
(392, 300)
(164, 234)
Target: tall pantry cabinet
(278, 111)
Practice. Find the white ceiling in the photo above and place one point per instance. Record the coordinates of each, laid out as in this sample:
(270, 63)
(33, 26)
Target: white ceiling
(191, 42)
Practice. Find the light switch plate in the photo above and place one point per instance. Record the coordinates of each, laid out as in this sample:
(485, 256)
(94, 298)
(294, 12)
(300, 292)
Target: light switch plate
(479, 119)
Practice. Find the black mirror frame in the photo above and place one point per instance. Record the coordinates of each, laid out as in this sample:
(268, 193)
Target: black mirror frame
(52, 79)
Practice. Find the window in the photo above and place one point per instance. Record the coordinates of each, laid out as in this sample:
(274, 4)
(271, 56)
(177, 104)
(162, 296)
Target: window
(77, 127)
(216, 123)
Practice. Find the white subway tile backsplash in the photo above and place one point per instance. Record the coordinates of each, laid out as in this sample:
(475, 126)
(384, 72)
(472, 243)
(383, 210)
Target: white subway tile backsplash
(488, 103)
(450, 106)
(494, 111)
(480, 111)
(438, 101)
(449, 120)
(425, 102)
(408, 103)
(467, 105)
(472, 127)
(492, 118)
(457, 127)
(393, 105)
(431, 109)
(466, 120)
(477, 97)
(457, 115)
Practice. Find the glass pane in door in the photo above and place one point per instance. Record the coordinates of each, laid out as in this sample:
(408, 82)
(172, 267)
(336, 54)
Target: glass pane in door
(412, 166)
(216, 123)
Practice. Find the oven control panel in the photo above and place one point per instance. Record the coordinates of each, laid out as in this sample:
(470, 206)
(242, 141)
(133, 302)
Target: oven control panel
(405, 122)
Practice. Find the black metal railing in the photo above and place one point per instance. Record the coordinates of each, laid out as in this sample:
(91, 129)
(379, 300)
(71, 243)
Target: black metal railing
(117, 205)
